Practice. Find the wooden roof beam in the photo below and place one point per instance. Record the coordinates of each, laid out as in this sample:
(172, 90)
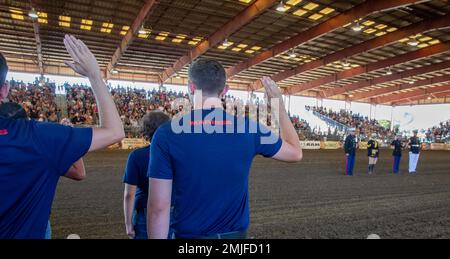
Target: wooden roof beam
(243, 18)
(375, 43)
(362, 10)
(130, 36)
(37, 38)
(418, 93)
(407, 57)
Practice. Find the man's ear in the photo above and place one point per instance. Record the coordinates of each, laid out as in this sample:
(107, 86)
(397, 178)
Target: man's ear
(191, 87)
(4, 91)
(224, 91)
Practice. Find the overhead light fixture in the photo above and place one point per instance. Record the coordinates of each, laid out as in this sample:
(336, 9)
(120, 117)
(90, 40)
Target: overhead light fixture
(33, 14)
(411, 82)
(226, 43)
(350, 95)
(142, 30)
(345, 63)
(389, 71)
(357, 27)
(429, 97)
(178, 76)
(292, 54)
(281, 7)
(114, 71)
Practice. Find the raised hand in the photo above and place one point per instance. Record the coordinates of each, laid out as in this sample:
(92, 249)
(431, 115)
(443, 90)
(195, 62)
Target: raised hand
(130, 232)
(272, 89)
(84, 62)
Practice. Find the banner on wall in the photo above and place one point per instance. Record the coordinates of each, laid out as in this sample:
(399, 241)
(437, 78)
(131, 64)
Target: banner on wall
(310, 144)
(362, 145)
(330, 145)
(384, 145)
(133, 143)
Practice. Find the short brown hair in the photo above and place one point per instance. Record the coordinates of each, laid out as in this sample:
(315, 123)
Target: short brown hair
(208, 75)
(152, 121)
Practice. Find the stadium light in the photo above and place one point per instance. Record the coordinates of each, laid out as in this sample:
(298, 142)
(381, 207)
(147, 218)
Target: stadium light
(226, 43)
(357, 27)
(281, 7)
(142, 30)
(33, 14)
(389, 71)
(292, 54)
(345, 63)
(413, 43)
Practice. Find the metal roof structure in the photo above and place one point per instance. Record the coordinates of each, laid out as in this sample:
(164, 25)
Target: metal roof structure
(392, 52)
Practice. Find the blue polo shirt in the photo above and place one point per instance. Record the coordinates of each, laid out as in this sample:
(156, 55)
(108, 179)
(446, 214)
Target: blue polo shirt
(209, 169)
(136, 174)
(33, 156)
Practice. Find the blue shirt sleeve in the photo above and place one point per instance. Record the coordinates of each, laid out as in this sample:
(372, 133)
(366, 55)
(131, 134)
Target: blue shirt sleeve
(63, 145)
(131, 170)
(160, 165)
(267, 142)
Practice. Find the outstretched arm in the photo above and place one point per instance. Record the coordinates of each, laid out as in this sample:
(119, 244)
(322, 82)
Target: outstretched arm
(290, 150)
(110, 130)
(128, 207)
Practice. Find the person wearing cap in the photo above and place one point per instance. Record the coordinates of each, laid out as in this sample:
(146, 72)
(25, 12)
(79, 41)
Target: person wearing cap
(350, 151)
(397, 145)
(414, 152)
(373, 152)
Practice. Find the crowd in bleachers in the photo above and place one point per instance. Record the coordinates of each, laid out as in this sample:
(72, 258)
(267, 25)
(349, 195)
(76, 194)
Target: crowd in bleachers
(132, 103)
(362, 124)
(304, 130)
(37, 99)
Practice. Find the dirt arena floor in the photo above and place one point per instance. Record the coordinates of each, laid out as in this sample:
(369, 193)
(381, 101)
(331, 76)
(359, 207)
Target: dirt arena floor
(311, 199)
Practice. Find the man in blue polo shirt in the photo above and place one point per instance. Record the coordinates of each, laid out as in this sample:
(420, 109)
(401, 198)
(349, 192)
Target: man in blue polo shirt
(136, 180)
(34, 155)
(205, 156)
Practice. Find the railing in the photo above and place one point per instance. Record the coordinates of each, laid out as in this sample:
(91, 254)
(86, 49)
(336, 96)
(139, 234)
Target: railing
(331, 122)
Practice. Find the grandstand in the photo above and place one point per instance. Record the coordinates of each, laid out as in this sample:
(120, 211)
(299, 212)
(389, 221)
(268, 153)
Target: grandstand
(393, 53)
(379, 52)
